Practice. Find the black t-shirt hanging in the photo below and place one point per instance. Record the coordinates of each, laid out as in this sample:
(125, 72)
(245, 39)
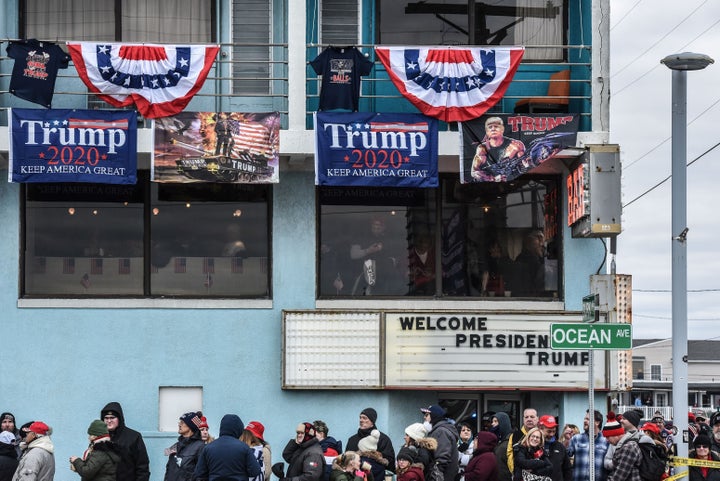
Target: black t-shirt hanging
(35, 69)
(341, 69)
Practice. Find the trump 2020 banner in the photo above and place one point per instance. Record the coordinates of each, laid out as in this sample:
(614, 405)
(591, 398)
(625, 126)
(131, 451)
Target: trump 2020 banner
(220, 147)
(63, 145)
(373, 149)
(500, 148)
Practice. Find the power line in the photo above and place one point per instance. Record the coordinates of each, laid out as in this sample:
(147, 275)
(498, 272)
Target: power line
(616, 92)
(626, 166)
(660, 40)
(664, 318)
(626, 15)
(669, 176)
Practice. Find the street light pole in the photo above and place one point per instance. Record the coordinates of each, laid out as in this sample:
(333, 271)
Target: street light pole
(680, 64)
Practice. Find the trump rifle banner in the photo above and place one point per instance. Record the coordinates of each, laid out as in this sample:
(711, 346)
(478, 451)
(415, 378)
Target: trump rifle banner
(57, 145)
(500, 148)
(218, 147)
(370, 149)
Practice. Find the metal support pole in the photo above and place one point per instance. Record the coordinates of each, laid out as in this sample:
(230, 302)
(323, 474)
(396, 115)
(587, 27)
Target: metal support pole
(679, 258)
(591, 413)
(680, 64)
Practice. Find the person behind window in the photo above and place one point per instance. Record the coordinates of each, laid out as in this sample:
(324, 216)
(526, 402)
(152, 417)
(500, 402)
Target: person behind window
(421, 267)
(496, 267)
(531, 264)
(379, 269)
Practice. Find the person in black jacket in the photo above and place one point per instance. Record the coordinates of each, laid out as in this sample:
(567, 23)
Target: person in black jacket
(304, 456)
(183, 455)
(8, 456)
(134, 465)
(530, 456)
(562, 469)
(368, 417)
(227, 457)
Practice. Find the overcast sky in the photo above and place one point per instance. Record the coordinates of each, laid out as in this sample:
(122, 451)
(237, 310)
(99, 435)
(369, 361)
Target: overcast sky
(643, 32)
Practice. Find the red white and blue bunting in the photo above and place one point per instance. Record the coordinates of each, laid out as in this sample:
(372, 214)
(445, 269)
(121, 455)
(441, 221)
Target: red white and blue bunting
(160, 80)
(453, 84)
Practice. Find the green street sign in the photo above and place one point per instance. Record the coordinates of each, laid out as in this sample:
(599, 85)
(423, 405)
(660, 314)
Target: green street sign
(590, 308)
(591, 336)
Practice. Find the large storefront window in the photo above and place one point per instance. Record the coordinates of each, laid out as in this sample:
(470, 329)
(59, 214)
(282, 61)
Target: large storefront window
(461, 240)
(147, 240)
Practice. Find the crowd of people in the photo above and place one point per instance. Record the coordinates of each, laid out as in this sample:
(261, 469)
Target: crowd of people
(435, 449)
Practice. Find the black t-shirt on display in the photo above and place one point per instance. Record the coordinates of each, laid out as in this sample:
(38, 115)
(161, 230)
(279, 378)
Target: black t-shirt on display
(341, 69)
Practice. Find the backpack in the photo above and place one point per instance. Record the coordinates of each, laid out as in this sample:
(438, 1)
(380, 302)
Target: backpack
(653, 461)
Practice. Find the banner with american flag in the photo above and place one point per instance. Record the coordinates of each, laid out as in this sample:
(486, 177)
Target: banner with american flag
(372, 149)
(62, 145)
(230, 147)
(160, 80)
(451, 83)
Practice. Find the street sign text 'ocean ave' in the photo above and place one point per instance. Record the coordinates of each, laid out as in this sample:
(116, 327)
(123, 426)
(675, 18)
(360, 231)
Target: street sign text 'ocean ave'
(591, 336)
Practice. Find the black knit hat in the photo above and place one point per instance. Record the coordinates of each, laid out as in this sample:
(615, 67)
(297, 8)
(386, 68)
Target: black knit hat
(370, 413)
(408, 453)
(192, 420)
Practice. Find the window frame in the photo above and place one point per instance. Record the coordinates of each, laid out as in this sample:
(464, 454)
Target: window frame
(146, 298)
(437, 230)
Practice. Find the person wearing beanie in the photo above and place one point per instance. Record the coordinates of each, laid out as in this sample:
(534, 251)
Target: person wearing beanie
(253, 436)
(703, 451)
(205, 430)
(385, 452)
(38, 461)
(134, 465)
(304, 455)
(8, 456)
(331, 447)
(227, 457)
(423, 447)
(100, 460)
(579, 449)
(183, 455)
(8, 424)
(626, 438)
(407, 467)
(447, 436)
(484, 464)
(631, 420)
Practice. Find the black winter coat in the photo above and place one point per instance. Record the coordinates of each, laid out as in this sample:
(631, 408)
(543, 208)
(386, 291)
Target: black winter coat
(134, 465)
(384, 446)
(562, 469)
(525, 460)
(8, 461)
(181, 464)
(306, 461)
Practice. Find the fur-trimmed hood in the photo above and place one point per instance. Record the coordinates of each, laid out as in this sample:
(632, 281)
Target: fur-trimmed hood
(430, 444)
(376, 456)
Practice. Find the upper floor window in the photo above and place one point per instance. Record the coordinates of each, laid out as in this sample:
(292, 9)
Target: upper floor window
(475, 22)
(146, 240)
(655, 372)
(251, 51)
(180, 21)
(339, 22)
(638, 367)
(471, 240)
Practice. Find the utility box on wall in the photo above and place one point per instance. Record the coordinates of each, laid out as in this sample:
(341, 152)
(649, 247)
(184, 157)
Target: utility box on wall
(594, 198)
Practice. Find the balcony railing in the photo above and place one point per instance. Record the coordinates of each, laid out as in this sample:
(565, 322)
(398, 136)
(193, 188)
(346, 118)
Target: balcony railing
(261, 85)
(666, 411)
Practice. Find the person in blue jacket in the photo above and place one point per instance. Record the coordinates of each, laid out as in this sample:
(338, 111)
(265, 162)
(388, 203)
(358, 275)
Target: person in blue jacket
(227, 457)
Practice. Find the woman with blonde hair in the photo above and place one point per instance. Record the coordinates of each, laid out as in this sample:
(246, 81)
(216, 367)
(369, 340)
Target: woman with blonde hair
(348, 467)
(252, 435)
(567, 433)
(531, 460)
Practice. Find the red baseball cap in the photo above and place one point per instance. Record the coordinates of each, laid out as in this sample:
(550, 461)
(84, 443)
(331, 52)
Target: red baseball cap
(548, 421)
(651, 427)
